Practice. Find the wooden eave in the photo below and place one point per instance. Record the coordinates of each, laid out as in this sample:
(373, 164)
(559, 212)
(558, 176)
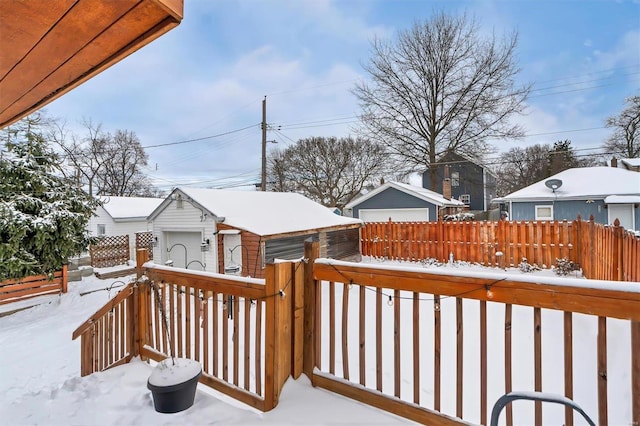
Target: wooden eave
(50, 47)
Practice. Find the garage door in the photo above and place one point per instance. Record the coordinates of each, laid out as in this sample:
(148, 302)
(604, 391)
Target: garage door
(183, 249)
(396, 215)
(622, 212)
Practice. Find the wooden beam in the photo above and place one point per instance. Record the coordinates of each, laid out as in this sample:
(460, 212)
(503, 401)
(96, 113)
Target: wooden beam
(586, 300)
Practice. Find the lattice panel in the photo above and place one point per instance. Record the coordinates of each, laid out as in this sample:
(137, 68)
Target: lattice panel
(145, 240)
(110, 251)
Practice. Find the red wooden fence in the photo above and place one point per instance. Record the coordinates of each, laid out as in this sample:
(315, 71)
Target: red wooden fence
(602, 251)
(37, 285)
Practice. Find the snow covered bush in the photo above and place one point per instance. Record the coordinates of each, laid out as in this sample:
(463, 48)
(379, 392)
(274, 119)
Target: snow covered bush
(462, 216)
(565, 266)
(43, 217)
(430, 261)
(525, 266)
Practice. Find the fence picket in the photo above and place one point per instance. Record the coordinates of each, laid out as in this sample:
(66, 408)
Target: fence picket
(541, 242)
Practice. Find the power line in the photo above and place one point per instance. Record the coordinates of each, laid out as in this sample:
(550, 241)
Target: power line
(202, 138)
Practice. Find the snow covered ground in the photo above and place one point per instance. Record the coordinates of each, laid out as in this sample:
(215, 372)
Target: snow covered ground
(40, 379)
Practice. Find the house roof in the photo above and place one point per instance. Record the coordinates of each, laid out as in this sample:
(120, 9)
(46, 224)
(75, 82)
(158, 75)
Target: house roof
(631, 162)
(415, 191)
(262, 213)
(50, 47)
(581, 183)
(120, 208)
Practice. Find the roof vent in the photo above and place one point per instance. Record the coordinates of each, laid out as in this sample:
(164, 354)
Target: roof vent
(553, 184)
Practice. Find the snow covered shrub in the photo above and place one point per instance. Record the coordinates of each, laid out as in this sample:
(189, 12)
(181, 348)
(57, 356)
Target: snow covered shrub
(462, 216)
(524, 266)
(43, 217)
(565, 266)
(430, 261)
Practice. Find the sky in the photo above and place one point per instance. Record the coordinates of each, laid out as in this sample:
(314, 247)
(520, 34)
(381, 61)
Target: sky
(40, 379)
(207, 78)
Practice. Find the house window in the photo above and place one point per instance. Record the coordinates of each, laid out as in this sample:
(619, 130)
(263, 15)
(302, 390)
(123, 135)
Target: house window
(102, 229)
(465, 198)
(544, 212)
(455, 179)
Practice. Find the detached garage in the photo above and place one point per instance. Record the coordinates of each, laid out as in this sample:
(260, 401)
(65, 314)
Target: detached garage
(237, 232)
(401, 202)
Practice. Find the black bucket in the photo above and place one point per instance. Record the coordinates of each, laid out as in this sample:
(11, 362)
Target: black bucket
(174, 398)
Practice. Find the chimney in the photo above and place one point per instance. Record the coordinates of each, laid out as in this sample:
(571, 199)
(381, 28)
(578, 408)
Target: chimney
(614, 162)
(446, 184)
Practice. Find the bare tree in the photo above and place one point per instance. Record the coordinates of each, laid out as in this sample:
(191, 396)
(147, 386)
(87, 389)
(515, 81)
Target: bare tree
(105, 164)
(121, 175)
(330, 171)
(521, 167)
(625, 140)
(85, 156)
(441, 86)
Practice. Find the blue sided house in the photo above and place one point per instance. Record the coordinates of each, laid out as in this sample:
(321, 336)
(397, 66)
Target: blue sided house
(607, 193)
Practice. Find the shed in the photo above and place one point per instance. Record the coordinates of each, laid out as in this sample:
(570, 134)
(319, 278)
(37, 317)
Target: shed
(123, 216)
(237, 232)
(402, 202)
(607, 193)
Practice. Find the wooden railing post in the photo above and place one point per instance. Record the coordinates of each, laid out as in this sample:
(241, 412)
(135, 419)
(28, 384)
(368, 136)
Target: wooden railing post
(277, 330)
(64, 285)
(311, 251)
(140, 306)
(142, 256)
(297, 318)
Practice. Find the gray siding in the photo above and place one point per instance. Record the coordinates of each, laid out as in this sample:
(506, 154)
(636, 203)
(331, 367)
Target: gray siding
(562, 210)
(287, 248)
(391, 198)
(471, 181)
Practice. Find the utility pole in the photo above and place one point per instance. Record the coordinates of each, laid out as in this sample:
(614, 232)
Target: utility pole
(263, 185)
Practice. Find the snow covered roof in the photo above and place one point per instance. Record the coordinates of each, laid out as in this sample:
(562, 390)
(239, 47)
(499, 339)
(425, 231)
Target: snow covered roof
(264, 213)
(581, 183)
(631, 162)
(416, 191)
(622, 199)
(130, 207)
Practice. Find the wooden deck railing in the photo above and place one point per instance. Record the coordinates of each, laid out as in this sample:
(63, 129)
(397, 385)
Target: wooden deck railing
(240, 329)
(441, 349)
(109, 337)
(434, 346)
(505, 243)
(37, 285)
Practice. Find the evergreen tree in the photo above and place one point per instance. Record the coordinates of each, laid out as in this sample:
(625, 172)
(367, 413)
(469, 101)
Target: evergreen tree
(43, 219)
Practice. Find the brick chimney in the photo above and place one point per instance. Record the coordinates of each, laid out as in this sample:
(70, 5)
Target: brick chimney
(446, 184)
(614, 162)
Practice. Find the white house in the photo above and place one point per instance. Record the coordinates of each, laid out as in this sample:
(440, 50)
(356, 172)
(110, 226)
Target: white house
(236, 232)
(123, 216)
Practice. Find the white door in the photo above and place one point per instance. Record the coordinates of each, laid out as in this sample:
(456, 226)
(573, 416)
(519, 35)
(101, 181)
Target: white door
(232, 245)
(622, 212)
(183, 249)
(396, 215)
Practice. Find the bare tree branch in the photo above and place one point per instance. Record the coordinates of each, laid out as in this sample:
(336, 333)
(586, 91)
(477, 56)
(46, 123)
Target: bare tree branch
(441, 87)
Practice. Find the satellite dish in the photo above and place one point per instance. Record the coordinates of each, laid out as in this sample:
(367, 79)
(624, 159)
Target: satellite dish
(553, 184)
